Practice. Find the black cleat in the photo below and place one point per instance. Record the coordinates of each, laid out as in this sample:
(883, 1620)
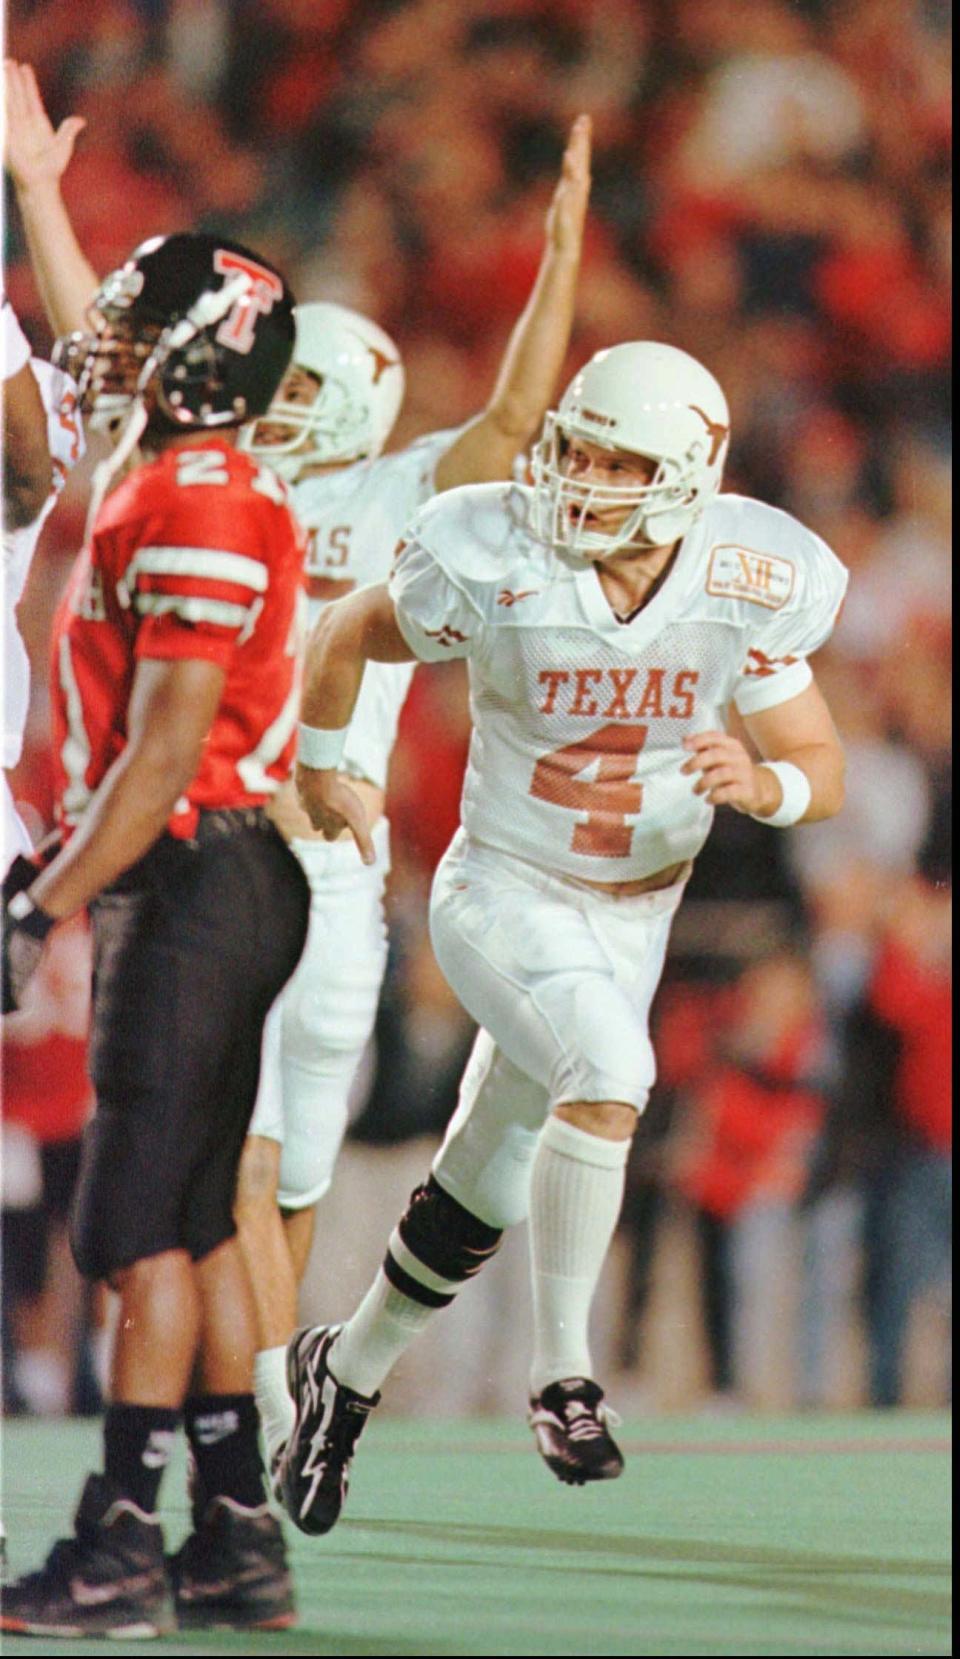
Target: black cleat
(314, 1469)
(110, 1579)
(231, 1574)
(273, 1473)
(570, 1422)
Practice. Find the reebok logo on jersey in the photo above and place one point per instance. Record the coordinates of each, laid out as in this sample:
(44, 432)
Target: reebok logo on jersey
(507, 598)
(740, 573)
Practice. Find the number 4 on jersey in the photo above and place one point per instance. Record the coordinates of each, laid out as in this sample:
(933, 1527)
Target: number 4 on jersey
(607, 796)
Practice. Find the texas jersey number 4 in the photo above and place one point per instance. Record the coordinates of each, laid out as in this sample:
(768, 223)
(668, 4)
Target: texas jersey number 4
(607, 796)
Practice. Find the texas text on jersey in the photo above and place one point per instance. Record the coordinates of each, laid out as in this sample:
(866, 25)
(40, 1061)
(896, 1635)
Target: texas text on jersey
(189, 557)
(579, 716)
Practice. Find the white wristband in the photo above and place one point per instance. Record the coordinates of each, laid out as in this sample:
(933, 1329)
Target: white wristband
(319, 749)
(797, 794)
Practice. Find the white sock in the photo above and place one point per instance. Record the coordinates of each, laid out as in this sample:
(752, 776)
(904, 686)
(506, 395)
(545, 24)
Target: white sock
(42, 1379)
(273, 1399)
(576, 1196)
(372, 1341)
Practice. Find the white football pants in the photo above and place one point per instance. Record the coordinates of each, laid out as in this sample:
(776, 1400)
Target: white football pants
(561, 978)
(318, 1027)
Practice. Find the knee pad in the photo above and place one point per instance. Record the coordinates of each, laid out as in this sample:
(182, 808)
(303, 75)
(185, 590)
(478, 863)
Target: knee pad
(315, 1124)
(437, 1246)
(486, 1160)
(330, 1004)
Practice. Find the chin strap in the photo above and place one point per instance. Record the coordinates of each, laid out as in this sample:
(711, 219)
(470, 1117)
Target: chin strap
(127, 440)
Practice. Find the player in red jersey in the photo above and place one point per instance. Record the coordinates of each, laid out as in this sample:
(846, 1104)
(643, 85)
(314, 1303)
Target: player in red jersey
(175, 703)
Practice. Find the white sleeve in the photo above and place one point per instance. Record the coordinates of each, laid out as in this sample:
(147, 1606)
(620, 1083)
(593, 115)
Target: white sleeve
(776, 668)
(16, 346)
(436, 616)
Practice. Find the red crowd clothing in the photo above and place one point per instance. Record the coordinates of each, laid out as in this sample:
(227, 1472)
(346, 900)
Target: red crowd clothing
(753, 1132)
(915, 998)
(194, 555)
(46, 1085)
(757, 1140)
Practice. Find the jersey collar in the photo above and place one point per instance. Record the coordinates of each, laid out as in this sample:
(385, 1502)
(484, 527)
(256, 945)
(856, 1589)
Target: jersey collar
(635, 635)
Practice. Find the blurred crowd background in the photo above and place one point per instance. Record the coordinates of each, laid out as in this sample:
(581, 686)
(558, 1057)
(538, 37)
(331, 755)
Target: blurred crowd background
(771, 192)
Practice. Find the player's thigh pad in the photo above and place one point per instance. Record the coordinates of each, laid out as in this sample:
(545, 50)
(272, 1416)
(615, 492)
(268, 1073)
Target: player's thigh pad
(317, 1031)
(190, 949)
(561, 976)
(486, 1160)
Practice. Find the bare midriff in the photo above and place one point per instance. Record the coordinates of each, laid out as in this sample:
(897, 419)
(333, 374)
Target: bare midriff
(293, 823)
(644, 884)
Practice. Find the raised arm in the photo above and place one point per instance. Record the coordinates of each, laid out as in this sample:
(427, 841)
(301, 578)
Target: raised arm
(350, 633)
(36, 158)
(537, 347)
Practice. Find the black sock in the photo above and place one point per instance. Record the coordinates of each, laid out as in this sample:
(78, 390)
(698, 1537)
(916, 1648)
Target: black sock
(223, 1431)
(137, 1445)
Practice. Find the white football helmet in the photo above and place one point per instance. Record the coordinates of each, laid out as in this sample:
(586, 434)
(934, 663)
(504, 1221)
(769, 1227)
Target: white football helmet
(646, 399)
(358, 400)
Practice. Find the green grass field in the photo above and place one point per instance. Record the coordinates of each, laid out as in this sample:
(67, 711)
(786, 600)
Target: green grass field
(820, 1535)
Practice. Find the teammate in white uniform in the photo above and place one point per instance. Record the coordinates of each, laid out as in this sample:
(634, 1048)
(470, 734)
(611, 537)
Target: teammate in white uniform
(324, 434)
(26, 457)
(65, 443)
(610, 615)
(42, 439)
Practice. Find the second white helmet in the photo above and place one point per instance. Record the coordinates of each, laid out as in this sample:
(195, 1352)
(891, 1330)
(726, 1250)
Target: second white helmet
(646, 399)
(361, 384)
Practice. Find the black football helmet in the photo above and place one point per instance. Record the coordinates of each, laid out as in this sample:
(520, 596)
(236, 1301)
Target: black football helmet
(198, 327)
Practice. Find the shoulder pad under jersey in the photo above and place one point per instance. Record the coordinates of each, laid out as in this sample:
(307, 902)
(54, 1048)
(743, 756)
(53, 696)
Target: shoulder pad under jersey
(765, 563)
(478, 533)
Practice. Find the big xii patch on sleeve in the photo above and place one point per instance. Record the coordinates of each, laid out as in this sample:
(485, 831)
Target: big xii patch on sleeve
(739, 573)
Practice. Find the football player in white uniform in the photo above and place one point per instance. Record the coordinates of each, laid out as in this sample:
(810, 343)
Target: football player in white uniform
(42, 439)
(64, 447)
(324, 434)
(26, 457)
(610, 614)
